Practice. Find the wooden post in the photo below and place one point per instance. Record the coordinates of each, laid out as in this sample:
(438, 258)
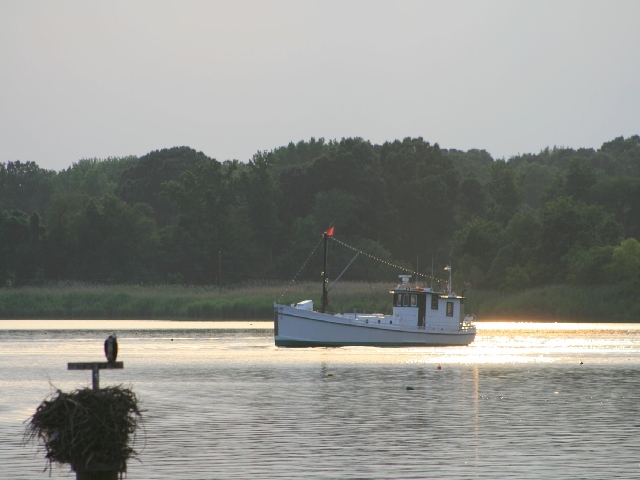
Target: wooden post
(95, 367)
(105, 475)
(95, 377)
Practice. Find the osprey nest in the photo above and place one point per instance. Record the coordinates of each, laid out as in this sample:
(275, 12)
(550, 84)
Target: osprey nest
(89, 429)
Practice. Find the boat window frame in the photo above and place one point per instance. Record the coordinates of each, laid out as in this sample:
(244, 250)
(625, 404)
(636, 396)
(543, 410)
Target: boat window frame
(449, 309)
(435, 300)
(405, 300)
(414, 300)
(398, 297)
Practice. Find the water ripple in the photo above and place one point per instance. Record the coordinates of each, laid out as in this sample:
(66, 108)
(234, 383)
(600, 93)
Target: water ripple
(227, 404)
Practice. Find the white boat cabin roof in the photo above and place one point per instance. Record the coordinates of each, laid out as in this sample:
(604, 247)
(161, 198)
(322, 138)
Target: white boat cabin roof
(424, 290)
(405, 287)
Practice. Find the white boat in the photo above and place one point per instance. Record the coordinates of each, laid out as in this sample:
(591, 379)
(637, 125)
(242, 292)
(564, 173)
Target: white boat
(421, 317)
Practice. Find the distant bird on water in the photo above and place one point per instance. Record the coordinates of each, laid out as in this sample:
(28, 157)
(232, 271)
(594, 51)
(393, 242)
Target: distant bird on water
(111, 348)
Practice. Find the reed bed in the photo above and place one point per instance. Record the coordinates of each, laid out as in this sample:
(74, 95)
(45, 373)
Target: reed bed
(255, 301)
(569, 303)
(171, 302)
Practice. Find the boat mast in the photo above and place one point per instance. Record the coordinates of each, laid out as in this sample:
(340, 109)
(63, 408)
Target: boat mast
(324, 274)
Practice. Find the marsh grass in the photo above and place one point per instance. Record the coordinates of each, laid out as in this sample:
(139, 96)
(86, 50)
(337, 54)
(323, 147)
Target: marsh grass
(159, 302)
(255, 301)
(567, 303)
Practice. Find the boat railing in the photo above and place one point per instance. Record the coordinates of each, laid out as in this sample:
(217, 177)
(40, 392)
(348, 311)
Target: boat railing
(467, 322)
(360, 314)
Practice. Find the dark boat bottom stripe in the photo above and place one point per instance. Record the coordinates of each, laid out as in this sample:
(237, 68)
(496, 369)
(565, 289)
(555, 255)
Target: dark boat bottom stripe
(301, 343)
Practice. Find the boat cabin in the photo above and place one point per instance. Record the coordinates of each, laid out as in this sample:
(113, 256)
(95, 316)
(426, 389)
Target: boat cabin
(423, 308)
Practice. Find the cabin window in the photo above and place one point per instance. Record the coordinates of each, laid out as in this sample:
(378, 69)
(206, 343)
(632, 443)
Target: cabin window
(449, 309)
(414, 300)
(399, 300)
(406, 300)
(434, 302)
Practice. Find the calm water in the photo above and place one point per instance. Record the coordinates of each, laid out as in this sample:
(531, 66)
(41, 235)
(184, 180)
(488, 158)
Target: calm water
(223, 402)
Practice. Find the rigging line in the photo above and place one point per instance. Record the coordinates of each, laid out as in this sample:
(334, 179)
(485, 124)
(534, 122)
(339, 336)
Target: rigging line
(366, 272)
(265, 276)
(384, 261)
(300, 270)
(343, 271)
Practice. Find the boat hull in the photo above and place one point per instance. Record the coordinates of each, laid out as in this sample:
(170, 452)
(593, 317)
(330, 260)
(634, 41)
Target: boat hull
(302, 328)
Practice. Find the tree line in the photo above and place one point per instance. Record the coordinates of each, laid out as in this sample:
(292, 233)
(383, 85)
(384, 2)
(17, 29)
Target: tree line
(177, 216)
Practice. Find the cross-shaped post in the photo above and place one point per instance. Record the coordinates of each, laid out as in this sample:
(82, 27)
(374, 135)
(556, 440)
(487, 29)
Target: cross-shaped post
(95, 367)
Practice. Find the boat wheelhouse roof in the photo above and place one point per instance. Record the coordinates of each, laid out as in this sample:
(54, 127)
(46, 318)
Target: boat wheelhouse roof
(421, 290)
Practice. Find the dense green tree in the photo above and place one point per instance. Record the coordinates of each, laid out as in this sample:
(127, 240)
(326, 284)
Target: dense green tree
(336, 207)
(33, 251)
(25, 187)
(589, 267)
(473, 162)
(21, 239)
(475, 246)
(14, 232)
(568, 224)
(61, 242)
(576, 181)
(423, 188)
(621, 197)
(93, 177)
(100, 240)
(537, 178)
(303, 241)
(212, 224)
(514, 266)
(473, 198)
(579, 179)
(556, 216)
(506, 191)
(117, 243)
(625, 264)
(141, 181)
(625, 153)
(350, 166)
(301, 154)
(261, 194)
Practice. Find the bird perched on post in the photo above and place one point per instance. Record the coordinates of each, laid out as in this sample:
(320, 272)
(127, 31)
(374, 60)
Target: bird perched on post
(111, 348)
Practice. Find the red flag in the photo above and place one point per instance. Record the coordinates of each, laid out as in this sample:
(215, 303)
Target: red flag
(329, 232)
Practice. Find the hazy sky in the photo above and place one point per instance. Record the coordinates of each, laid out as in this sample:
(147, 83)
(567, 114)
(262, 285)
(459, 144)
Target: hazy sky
(84, 79)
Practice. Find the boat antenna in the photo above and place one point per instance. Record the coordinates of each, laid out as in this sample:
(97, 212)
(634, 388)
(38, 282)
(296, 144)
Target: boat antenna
(432, 272)
(448, 267)
(417, 270)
